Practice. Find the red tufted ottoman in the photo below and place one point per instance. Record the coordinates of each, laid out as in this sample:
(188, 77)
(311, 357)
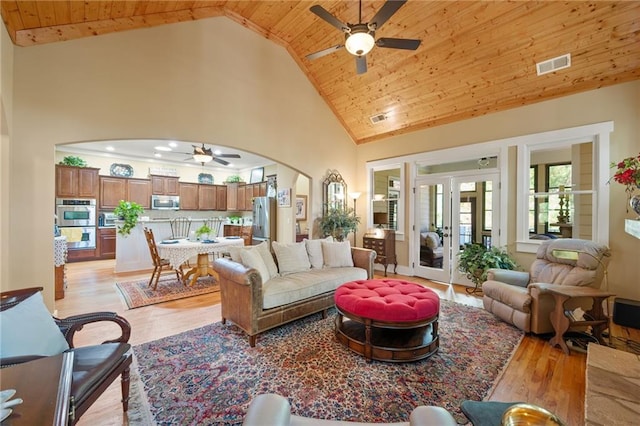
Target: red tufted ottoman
(388, 320)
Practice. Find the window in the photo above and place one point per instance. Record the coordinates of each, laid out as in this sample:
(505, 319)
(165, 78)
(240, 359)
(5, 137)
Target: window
(487, 201)
(559, 180)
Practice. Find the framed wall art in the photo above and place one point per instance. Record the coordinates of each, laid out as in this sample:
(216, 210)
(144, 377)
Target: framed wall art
(301, 207)
(257, 175)
(284, 197)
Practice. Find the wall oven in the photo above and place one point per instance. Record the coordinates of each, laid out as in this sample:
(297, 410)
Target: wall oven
(77, 221)
(165, 202)
(76, 212)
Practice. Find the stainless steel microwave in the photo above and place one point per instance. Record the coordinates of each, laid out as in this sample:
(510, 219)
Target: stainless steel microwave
(165, 202)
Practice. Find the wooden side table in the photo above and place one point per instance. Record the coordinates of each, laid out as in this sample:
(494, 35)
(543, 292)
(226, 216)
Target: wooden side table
(384, 244)
(561, 322)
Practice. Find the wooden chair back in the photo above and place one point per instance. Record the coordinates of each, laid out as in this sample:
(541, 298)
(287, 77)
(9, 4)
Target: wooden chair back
(215, 223)
(246, 232)
(180, 227)
(153, 249)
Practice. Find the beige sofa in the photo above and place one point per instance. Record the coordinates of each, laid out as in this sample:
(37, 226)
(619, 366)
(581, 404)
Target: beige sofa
(523, 299)
(257, 294)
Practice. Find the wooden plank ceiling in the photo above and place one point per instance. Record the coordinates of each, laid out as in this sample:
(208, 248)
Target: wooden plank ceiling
(476, 57)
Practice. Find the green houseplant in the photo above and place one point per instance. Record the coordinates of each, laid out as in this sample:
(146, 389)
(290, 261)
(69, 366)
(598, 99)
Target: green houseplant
(128, 211)
(72, 160)
(204, 230)
(476, 259)
(338, 222)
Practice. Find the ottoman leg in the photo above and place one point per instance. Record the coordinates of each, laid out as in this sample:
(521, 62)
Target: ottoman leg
(367, 340)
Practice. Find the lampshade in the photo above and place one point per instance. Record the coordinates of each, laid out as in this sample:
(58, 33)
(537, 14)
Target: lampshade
(359, 42)
(354, 195)
(202, 158)
(380, 218)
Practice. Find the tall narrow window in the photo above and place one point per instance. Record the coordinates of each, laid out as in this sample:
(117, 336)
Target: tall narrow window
(560, 208)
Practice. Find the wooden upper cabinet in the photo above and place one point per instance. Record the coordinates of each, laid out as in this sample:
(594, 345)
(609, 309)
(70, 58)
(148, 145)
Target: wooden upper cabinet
(112, 190)
(189, 196)
(232, 196)
(164, 185)
(76, 182)
(242, 197)
(207, 197)
(221, 195)
(139, 191)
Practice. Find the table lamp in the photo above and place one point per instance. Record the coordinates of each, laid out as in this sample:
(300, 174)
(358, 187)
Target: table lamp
(380, 219)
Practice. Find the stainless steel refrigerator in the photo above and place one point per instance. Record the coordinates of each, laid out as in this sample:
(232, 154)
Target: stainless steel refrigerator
(264, 219)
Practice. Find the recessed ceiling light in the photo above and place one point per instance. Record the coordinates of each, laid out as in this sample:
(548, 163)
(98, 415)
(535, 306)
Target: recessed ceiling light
(217, 152)
(173, 144)
(110, 148)
(157, 155)
(162, 148)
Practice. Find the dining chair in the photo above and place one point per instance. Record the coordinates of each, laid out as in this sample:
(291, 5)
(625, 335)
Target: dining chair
(180, 227)
(215, 223)
(159, 264)
(246, 232)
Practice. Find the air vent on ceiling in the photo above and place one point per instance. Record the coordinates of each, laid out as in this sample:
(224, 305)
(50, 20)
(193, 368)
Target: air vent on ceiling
(554, 64)
(375, 119)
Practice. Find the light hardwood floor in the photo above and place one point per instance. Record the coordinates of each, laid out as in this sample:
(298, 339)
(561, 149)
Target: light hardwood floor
(536, 374)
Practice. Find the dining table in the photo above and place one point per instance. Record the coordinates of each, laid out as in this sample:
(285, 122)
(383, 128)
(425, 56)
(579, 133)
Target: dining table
(179, 251)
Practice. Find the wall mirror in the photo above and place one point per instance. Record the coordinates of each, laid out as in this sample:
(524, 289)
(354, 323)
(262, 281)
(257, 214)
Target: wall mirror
(386, 197)
(335, 192)
(561, 188)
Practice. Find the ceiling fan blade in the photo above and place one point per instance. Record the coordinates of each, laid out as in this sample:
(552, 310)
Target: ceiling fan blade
(324, 52)
(386, 11)
(398, 43)
(223, 162)
(228, 156)
(322, 13)
(361, 64)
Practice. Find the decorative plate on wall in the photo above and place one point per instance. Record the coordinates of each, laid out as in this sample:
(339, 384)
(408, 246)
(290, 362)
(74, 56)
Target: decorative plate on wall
(205, 178)
(121, 170)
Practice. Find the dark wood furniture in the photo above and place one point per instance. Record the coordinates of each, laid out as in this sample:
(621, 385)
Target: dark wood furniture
(561, 318)
(97, 366)
(36, 382)
(383, 241)
(106, 243)
(159, 264)
(164, 185)
(76, 182)
(301, 237)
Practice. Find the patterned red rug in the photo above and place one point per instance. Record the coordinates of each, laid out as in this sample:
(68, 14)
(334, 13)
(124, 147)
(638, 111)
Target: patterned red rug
(138, 293)
(209, 375)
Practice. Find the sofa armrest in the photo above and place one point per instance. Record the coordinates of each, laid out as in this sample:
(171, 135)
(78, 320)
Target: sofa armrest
(363, 258)
(519, 278)
(268, 408)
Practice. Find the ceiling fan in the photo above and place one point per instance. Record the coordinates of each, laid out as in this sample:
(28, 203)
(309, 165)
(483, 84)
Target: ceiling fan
(202, 155)
(360, 37)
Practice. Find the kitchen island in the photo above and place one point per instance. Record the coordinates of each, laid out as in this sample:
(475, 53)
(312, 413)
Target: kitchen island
(132, 252)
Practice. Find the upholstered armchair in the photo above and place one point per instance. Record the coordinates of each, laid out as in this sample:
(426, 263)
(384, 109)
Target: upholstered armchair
(523, 299)
(430, 250)
(274, 410)
(29, 332)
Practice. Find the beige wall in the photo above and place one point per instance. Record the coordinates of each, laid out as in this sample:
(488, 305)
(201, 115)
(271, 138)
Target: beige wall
(209, 80)
(620, 103)
(217, 82)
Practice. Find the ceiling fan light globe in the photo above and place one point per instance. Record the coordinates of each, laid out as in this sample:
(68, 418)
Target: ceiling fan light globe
(202, 158)
(359, 43)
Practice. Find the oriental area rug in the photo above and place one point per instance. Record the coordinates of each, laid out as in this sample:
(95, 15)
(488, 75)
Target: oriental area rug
(138, 293)
(210, 375)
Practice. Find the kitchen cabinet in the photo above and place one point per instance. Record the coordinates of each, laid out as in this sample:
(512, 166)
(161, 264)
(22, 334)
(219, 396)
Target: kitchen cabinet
(139, 191)
(76, 182)
(221, 195)
(235, 196)
(207, 197)
(253, 190)
(106, 243)
(114, 189)
(189, 197)
(164, 185)
(78, 255)
(232, 230)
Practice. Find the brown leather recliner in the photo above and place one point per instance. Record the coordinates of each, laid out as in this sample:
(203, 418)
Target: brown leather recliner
(522, 299)
(94, 367)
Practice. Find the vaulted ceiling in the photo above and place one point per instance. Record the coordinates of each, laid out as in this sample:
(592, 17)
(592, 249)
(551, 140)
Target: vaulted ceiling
(476, 57)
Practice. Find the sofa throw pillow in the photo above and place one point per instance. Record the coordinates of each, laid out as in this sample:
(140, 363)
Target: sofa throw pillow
(253, 259)
(292, 257)
(263, 250)
(432, 240)
(337, 254)
(28, 329)
(314, 250)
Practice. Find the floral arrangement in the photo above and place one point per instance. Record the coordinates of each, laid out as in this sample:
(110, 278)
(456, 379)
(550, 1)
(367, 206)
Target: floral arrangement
(628, 173)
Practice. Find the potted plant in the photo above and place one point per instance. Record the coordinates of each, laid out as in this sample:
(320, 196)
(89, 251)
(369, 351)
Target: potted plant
(476, 259)
(127, 211)
(203, 233)
(72, 160)
(628, 174)
(338, 222)
(233, 179)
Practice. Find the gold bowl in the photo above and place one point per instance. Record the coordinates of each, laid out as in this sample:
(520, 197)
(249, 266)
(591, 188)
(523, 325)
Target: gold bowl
(529, 414)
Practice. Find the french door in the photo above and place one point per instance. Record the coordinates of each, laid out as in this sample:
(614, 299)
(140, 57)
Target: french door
(453, 210)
